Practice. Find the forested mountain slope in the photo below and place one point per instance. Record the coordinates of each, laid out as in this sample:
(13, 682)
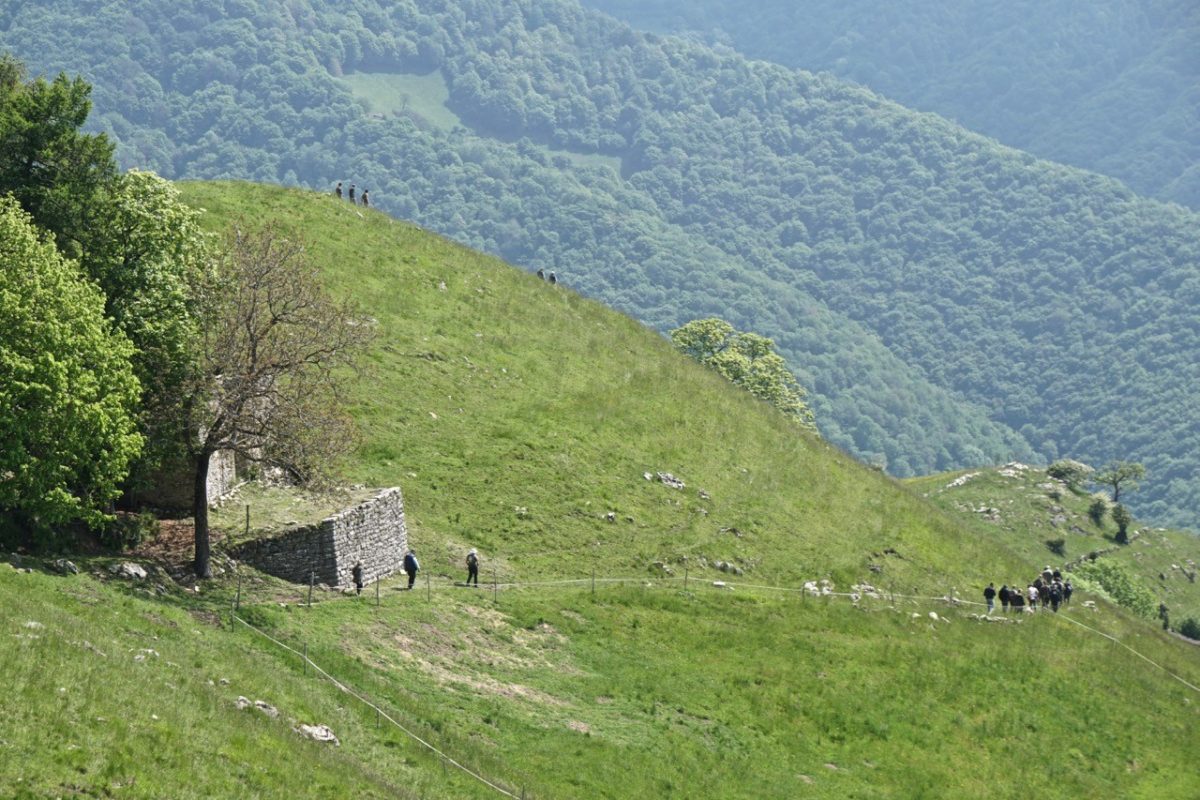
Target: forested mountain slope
(1111, 86)
(948, 301)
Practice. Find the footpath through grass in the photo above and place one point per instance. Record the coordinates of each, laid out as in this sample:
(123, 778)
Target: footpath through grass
(636, 691)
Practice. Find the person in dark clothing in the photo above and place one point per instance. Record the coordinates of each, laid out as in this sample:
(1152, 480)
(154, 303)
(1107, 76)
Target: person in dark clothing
(1055, 596)
(1004, 598)
(337, 190)
(1018, 601)
(357, 573)
(365, 201)
(473, 567)
(541, 273)
(553, 278)
(989, 594)
(1067, 589)
(411, 567)
(352, 193)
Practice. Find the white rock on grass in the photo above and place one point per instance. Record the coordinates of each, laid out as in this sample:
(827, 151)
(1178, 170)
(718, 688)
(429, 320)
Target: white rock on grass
(318, 733)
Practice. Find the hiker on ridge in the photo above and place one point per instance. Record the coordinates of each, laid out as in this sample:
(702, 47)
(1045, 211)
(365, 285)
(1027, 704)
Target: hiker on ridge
(352, 194)
(337, 191)
(365, 201)
(989, 594)
(473, 567)
(411, 567)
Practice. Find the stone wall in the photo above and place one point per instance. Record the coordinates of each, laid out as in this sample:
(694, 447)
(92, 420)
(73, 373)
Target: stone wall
(372, 532)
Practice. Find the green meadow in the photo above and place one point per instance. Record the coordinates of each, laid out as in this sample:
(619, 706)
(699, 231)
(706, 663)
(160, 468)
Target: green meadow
(531, 423)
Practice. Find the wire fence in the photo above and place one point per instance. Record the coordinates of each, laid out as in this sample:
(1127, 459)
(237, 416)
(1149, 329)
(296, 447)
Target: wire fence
(811, 590)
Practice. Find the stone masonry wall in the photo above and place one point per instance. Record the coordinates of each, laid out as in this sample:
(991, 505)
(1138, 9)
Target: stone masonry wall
(372, 532)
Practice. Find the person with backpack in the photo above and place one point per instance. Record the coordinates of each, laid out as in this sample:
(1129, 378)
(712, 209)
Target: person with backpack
(1055, 595)
(473, 568)
(1017, 600)
(1004, 598)
(989, 594)
(1067, 589)
(411, 567)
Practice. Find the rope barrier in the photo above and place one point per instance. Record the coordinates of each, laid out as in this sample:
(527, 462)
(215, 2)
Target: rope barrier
(378, 710)
(1193, 687)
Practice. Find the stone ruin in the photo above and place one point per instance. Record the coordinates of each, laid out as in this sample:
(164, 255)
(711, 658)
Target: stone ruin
(372, 532)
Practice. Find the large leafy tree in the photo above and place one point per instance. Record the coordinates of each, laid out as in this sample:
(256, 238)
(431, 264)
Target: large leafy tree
(153, 262)
(748, 360)
(67, 388)
(130, 233)
(268, 383)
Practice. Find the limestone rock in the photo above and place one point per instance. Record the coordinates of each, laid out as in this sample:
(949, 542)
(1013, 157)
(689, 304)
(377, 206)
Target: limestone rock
(318, 733)
(128, 571)
(63, 567)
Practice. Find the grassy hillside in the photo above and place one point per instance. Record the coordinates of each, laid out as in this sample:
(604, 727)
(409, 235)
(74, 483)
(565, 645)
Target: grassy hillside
(1028, 513)
(516, 416)
(633, 692)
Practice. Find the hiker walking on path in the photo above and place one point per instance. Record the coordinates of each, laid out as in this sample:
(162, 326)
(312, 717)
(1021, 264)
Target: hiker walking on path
(337, 191)
(1004, 598)
(352, 194)
(473, 568)
(1033, 597)
(989, 594)
(365, 201)
(411, 567)
(1067, 589)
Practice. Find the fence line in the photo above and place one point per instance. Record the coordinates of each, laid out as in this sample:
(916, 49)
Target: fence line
(804, 591)
(378, 710)
(881, 594)
(1193, 687)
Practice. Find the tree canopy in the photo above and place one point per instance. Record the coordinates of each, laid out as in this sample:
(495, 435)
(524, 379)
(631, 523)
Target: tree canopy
(68, 395)
(747, 360)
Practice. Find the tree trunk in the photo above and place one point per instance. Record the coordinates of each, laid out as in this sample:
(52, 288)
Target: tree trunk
(200, 514)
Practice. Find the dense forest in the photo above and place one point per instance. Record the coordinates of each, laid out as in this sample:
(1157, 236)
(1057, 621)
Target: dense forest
(946, 301)
(1111, 86)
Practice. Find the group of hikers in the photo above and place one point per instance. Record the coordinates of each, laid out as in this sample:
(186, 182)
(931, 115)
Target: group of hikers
(412, 567)
(337, 191)
(1049, 588)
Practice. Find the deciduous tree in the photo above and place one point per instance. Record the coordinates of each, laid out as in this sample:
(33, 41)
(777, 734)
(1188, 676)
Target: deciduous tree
(748, 360)
(67, 389)
(1120, 474)
(273, 358)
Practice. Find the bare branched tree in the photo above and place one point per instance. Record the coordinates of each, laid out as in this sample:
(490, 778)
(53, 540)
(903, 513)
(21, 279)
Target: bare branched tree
(272, 365)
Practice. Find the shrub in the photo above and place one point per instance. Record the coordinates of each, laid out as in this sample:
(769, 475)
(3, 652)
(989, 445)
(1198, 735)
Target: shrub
(1071, 472)
(1190, 628)
(1122, 517)
(1057, 546)
(129, 530)
(1097, 510)
(1117, 583)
